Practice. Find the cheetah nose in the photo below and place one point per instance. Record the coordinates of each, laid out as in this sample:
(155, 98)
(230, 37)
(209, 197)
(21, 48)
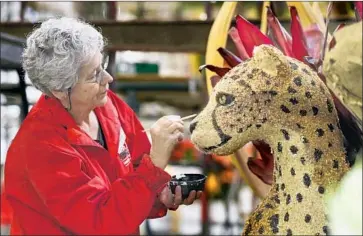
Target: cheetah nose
(192, 126)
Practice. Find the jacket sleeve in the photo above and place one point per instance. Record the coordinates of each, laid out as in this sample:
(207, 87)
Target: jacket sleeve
(158, 210)
(87, 205)
(140, 150)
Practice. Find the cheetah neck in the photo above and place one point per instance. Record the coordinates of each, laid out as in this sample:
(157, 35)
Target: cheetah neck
(308, 159)
(306, 165)
(318, 159)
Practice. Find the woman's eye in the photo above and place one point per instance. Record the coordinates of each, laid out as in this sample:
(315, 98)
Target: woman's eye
(95, 76)
(224, 99)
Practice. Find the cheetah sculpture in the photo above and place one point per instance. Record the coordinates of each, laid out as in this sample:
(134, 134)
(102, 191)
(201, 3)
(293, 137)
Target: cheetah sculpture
(282, 102)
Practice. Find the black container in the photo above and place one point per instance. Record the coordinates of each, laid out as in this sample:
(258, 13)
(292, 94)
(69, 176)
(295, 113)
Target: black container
(188, 183)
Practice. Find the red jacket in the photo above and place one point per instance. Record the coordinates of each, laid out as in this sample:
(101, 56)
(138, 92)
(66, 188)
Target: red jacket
(60, 181)
(6, 211)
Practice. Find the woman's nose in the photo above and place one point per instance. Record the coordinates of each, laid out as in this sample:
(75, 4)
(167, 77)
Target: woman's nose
(107, 78)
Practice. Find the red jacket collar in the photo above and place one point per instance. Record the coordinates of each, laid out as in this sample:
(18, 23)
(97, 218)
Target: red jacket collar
(54, 113)
(110, 124)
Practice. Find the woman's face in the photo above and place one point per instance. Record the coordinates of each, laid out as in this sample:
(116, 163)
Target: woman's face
(91, 89)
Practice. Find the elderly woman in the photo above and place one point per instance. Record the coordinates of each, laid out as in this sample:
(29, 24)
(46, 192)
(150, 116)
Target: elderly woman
(81, 163)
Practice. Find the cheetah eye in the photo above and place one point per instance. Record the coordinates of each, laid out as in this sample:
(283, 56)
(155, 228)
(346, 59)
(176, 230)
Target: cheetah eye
(224, 99)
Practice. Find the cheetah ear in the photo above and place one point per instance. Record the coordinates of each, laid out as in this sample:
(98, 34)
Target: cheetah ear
(270, 59)
(268, 51)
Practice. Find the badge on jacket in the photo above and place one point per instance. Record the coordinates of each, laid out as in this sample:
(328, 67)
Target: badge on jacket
(123, 150)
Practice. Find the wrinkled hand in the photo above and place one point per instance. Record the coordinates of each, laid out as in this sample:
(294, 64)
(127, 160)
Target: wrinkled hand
(262, 163)
(172, 201)
(165, 134)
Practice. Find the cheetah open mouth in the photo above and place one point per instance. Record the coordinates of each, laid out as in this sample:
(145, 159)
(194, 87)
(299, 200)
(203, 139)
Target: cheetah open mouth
(263, 163)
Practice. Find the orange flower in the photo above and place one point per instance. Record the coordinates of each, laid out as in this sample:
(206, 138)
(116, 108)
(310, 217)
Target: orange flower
(185, 150)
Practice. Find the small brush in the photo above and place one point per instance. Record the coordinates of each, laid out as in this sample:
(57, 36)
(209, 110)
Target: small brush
(182, 119)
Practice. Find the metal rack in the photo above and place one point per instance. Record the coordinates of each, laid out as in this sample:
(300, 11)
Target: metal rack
(11, 50)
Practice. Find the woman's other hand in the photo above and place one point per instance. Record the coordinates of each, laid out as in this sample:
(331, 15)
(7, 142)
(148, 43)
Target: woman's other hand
(165, 134)
(172, 201)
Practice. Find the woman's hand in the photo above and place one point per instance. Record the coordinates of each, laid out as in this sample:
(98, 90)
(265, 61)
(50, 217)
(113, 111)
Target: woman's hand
(172, 201)
(165, 134)
(243, 156)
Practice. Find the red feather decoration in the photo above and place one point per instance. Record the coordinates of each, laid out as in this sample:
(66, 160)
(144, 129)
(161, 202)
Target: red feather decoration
(283, 39)
(250, 35)
(231, 59)
(359, 9)
(221, 71)
(233, 33)
(298, 37)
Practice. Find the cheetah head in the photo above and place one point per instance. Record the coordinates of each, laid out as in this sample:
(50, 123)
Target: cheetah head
(258, 98)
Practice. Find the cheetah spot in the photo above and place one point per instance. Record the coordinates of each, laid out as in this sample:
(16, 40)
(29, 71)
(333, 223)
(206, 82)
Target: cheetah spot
(330, 106)
(282, 186)
(286, 134)
(325, 229)
(259, 216)
(303, 112)
(284, 109)
(286, 217)
(317, 154)
(291, 90)
(274, 222)
(293, 66)
(320, 132)
(276, 199)
(335, 164)
(307, 218)
(321, 189)
(273, 93)
(306, 71)
(299, 126)
(331, 127)
(315, 110)
(306, 180)
(279, 147)
(288, 199)
(294, 101)
(294, 149)
(297, 81)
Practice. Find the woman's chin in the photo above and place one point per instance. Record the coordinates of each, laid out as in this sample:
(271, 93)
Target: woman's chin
(102, 101)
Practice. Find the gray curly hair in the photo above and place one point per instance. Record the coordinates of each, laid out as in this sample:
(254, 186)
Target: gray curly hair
(56, 51)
